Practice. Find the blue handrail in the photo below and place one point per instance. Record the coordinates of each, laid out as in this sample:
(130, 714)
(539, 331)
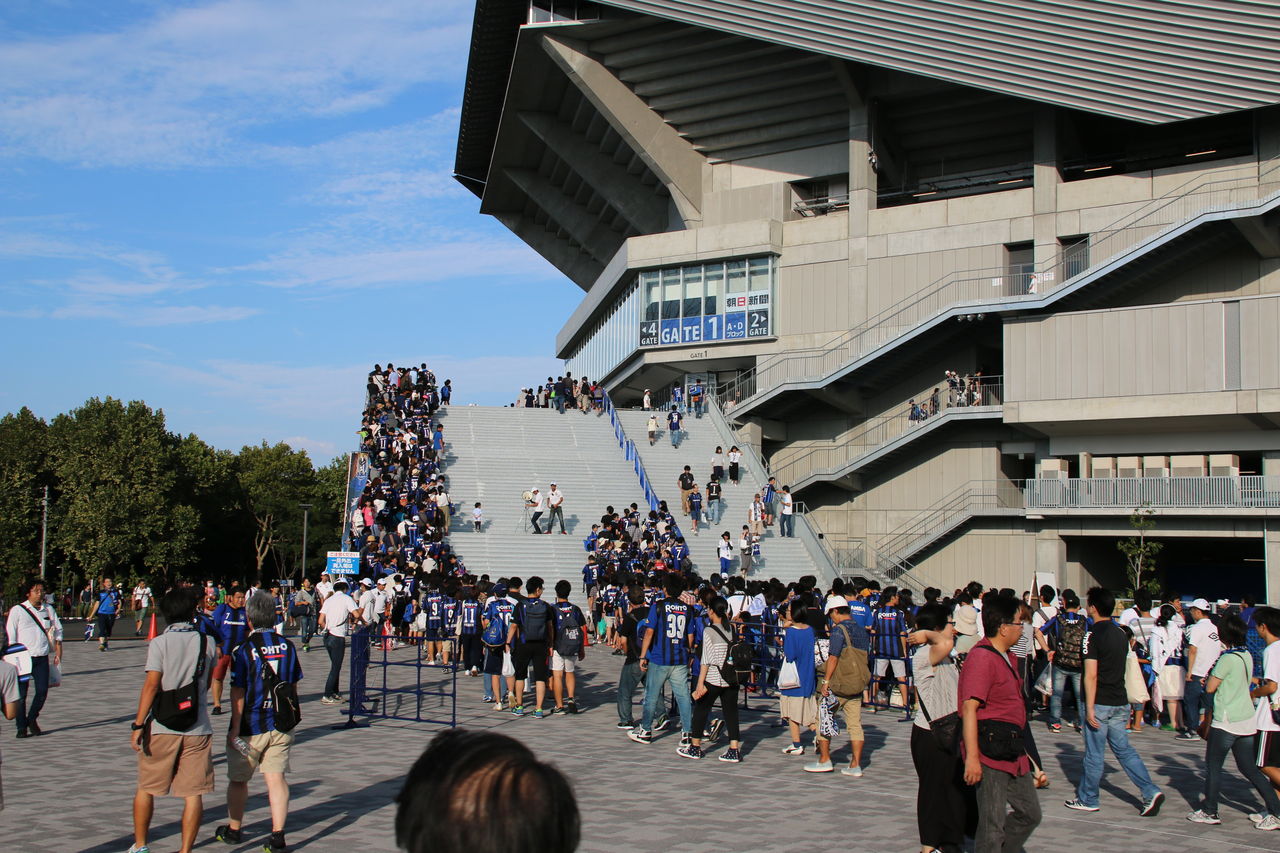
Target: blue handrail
(629, 452)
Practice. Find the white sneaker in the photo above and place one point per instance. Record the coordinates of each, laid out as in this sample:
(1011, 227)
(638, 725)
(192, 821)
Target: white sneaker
(792, 749)
(855, 772)
(819, 767)
(1270, 823)
(1257, 817)
(1201, 816)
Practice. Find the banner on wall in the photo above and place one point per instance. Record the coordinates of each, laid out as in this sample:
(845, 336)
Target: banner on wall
(357, 479)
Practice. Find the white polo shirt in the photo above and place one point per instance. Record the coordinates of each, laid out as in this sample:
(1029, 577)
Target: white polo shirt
(32, 626)
(337, 609)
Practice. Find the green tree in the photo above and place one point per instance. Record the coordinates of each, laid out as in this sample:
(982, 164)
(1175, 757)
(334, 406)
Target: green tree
(1140, 553)
(23, 476)
(274, 479)
(117, 512)
(207, 482)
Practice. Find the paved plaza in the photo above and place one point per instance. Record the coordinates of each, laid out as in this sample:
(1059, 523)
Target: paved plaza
(71, 789)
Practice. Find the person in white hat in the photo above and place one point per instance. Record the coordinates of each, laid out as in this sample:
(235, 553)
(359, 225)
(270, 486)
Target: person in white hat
(847, 638)
(1203, 648)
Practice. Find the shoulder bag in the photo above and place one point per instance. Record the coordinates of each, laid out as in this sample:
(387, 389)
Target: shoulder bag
(945, 729)
(283, 694)
(179, 709)
(1001, 740)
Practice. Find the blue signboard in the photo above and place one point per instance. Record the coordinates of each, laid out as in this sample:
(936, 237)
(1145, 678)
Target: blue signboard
(670, 331)
(690, 330)
(745, 315)
(735, 325)
(342, 562)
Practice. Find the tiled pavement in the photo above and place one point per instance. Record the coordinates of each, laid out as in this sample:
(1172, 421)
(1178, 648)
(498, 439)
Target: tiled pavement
(71, 790)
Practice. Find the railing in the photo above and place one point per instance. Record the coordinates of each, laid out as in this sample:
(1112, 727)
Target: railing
(632, 454)
(1199, 194)
(948, 513)
(985, 391)
(821, 204)
(1244, 492)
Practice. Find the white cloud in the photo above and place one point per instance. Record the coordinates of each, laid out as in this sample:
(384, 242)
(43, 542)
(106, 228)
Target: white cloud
(153, 315)
(188, 85)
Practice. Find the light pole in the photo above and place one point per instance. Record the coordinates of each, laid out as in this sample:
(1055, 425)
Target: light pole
(44, 528)
(306, 510)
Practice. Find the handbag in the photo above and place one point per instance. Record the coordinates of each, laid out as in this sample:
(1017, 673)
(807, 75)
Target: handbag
(1135, 686)
(1001, 740)
(788, 675)
(179, 709)
(945, 729)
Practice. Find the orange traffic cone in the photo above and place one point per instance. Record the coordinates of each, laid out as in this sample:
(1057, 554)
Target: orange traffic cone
(151, 632)
(586, 639)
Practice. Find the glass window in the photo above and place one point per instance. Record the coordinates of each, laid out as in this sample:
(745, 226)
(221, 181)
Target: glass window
(649, 281)
(758, 274)
(714, 277)
(671, 294)
(735, 274)
(693, 291)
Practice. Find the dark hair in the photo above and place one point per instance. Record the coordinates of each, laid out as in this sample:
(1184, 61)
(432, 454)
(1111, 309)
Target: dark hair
(533, 584)
(484, 791)
(340, 586)
(1070, 601)
(563, 588)
(1166, 615)
(719, 607)
(179, 605)
(998, 610)
(1142, 600)
(635, 595)
(673, 585)
(932, 617)
(1232, 631)
(1102, 599)
(1270, 617)
(1047, 594)
(30, 584)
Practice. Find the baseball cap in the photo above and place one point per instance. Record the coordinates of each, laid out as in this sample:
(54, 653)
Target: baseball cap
(1223, 602)
(833, 602)
(365, 582)
(1200, 604)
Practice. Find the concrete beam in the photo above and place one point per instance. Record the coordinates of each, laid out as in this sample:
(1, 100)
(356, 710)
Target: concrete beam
(596, 237)
(672, 158)
(1271, 557)
(638, 204)
(1263, 234)
(578, 267)
(849, 402)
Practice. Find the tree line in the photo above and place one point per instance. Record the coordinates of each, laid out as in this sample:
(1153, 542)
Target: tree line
(130, 499)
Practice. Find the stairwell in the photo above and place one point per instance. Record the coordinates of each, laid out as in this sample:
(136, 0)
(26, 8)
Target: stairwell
(495, 454)
(786, 559)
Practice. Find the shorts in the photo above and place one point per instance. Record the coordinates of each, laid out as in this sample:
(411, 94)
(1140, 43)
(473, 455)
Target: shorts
(434, 632)
(531, 654)
(899, 667)
(106, 622)
(563, 664)
(220, 669)
(268, 752)
(1269, 749)
(593, 591)
(802, 710)
(492, 661)
(851, 709)
(178, 766)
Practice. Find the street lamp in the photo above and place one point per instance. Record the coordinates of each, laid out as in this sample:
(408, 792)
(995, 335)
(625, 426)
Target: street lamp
(306, 510)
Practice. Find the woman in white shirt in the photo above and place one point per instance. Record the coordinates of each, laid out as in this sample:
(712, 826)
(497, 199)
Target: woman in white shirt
(717, 464)
(1169, 665)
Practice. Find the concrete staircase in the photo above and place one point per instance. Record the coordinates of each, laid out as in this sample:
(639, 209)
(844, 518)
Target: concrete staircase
(495, 454)
(784, 558)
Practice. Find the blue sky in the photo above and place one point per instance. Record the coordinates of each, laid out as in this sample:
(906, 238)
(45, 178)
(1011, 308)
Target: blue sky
(232, 209)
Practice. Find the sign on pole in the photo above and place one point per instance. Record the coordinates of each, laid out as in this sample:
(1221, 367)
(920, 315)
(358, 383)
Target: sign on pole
(343, 562)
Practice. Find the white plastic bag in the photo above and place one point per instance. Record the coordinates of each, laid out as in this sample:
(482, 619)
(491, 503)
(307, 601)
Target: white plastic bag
(508, 665)
(788, 676)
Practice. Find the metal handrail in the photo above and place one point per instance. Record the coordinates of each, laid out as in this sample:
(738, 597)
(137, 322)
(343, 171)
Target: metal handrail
(630, 452)
(1247, 491)
(1202, 192)
(879, 432)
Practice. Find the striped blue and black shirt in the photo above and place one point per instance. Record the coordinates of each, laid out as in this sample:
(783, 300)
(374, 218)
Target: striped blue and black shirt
(246, 672)
(672, 622)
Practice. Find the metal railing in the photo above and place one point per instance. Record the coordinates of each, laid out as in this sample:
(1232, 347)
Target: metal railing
(802, 463)
(970, 499)
(632, 454)
(1250, 491)
(821, 204)
(1200, 194)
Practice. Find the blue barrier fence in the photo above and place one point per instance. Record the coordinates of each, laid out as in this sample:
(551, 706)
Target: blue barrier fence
(631, 453)
(393, 679)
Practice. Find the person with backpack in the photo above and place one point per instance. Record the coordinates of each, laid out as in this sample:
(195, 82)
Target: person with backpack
(1062, 637)
(569, 648)
(264, 712)
(497, 622)
(845, 677)
(725, 666)
(175, 743)
(529, 639)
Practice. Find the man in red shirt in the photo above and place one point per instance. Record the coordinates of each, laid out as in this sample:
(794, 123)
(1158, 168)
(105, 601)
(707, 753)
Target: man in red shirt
(990, 693)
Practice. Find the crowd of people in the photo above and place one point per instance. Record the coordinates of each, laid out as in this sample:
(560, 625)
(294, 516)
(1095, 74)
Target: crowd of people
(563, 393)
(971, 389)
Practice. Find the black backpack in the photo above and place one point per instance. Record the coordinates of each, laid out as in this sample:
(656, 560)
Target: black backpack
(534, 620)
(283, 694)
(179, 709)
(738, 659)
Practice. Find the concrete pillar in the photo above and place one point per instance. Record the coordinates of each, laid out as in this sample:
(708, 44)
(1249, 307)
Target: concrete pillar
(1268, 126)
(862, 200)
(1045, 179)
(1051, 556)
(1271, 555)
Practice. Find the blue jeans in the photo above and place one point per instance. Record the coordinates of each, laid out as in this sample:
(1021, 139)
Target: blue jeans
(675, 437)
(697, 408)
(628, 680)
(714, 510)
(1243, 749)
(786, 525)
(1193, 703)
(654, 679)
(40, 681)
(559, 402)
(307, 628)
(1110, 732)
(1060, 678)
(337, 649)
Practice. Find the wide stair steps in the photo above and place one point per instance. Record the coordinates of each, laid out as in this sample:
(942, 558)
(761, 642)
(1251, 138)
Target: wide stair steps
(786, 559)
(496, 454)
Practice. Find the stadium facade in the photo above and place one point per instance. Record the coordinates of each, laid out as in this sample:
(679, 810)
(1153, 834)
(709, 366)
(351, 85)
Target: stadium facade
(820, 208)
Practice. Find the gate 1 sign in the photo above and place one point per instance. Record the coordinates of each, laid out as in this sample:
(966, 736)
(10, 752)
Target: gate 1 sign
(343, 562)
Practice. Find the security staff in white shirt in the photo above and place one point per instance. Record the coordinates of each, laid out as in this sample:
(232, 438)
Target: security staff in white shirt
(555, 499)
(36, 626)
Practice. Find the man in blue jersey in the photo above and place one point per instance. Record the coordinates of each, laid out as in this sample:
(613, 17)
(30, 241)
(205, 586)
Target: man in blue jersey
(665, 649)
(889, 647)
(468, 623)
(591, 585)
(567, 650)
(674, 424)
(105, 612)
(496, 622)
(530, 638)
(433, 606)
(254, 723)
(229, 619)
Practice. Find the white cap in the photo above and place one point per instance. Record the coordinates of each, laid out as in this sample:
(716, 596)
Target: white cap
(365, 582)
(1224, 602)
(835, 601)
(1201, 604)
(382, 581)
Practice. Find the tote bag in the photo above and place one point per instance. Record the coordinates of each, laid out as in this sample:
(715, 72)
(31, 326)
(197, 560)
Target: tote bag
(788, 676)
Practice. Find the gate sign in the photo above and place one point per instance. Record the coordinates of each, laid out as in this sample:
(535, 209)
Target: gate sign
(343, 562)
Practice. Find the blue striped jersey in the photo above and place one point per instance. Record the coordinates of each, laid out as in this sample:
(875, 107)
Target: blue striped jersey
(470, 611)
(232, 626)
(888, 623)
(672, 623)
(246, 672)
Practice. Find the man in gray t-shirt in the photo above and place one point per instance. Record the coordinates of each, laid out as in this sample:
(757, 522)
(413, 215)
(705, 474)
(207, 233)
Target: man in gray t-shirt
(9, 697)
(171, 762)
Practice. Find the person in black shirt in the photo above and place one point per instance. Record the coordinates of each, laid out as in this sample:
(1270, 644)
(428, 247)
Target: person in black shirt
(628, 642)
(1107, 710)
